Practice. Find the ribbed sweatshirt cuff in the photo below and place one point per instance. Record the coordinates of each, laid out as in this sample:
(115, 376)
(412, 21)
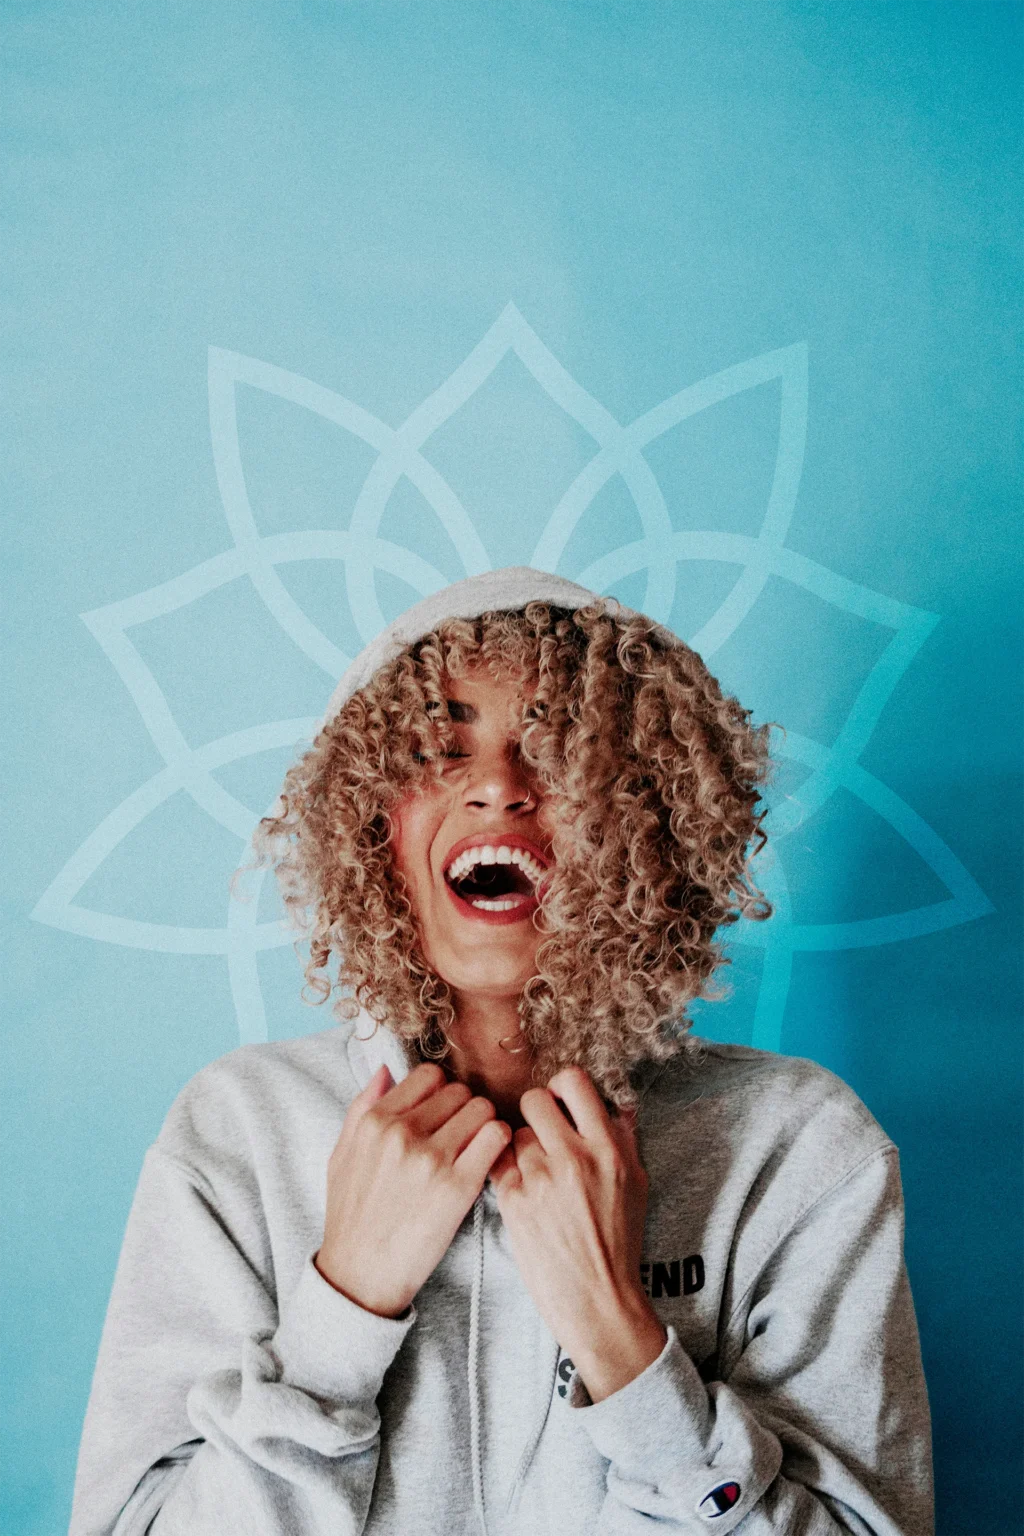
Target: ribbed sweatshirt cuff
(668, 1395)
(332, 1348)
(670, 1437)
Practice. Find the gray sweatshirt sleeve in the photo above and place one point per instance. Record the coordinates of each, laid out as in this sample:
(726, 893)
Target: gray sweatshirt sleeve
(822, 1425)
(213, 1411)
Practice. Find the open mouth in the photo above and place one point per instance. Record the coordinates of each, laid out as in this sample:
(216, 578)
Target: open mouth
(495, 881)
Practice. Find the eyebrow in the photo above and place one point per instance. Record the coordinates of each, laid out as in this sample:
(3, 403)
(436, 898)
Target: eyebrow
(465, 713)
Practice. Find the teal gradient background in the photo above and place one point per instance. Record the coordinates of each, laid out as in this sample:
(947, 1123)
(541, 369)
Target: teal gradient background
(630, 199)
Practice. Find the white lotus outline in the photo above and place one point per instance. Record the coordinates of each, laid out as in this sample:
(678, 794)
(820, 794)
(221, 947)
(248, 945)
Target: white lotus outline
(362, 551)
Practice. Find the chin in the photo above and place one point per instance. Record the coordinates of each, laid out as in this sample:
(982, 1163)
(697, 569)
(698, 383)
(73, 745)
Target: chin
(493, 980)
(490, 969)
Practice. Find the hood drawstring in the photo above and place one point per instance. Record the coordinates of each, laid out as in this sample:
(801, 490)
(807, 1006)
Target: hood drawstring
(473, 1362)
(531, 1445)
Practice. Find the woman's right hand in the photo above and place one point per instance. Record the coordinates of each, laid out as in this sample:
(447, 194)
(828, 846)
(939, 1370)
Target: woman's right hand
(411, 1159)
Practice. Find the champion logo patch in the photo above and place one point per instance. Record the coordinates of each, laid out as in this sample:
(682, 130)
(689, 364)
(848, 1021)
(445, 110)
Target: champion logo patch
(719, 1501)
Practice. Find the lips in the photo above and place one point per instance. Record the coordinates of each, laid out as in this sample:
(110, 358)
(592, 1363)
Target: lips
(502, 886)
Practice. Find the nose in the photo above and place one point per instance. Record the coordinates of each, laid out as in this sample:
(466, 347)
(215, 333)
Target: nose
(499, 782)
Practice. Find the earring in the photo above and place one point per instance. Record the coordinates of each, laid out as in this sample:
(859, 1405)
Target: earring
(513, 1050)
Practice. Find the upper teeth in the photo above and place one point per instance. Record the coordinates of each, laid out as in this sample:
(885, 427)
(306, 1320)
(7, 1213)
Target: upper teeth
(532, 868)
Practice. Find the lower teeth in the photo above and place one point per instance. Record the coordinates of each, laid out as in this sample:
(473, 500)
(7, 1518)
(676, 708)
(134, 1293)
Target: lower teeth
(499, 906)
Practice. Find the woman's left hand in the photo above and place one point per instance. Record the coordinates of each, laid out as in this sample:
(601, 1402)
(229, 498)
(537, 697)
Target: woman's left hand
(574, 1202)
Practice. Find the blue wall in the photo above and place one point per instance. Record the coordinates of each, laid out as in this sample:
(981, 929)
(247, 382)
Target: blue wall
(713, 305)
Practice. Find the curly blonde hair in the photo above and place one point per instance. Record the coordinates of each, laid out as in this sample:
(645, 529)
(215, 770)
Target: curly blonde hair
(652, 776)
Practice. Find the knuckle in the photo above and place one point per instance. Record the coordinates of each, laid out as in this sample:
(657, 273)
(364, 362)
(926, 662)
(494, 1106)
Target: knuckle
(400, 1136)
(372, 1124)
(421, 1154)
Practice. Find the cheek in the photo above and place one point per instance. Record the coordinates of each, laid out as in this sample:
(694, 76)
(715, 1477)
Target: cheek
(415, 823)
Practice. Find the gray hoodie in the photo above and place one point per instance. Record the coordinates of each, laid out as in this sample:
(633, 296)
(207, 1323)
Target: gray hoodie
(237, 1391)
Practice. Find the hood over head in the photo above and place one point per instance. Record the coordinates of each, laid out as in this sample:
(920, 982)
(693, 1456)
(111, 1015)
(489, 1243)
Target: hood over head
(511, 586)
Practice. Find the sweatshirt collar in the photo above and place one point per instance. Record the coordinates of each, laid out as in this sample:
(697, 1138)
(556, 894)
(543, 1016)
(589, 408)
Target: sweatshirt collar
(371, 1045)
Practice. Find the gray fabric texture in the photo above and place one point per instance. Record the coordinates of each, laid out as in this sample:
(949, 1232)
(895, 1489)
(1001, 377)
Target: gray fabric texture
(237, 1391)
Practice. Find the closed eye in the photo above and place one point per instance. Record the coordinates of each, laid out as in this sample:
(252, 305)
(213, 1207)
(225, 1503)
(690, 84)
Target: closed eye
(419, 757)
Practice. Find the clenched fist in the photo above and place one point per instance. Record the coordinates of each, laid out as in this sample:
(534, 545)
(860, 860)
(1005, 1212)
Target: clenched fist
(409, 1162)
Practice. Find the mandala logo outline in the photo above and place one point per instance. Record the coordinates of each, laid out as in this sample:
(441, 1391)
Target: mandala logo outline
(401, 454)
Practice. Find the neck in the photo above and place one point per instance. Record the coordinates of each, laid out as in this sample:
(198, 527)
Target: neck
(484, 1065)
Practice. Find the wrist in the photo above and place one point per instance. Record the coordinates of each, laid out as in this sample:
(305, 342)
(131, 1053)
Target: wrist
(391, 1307)
(630, 1337)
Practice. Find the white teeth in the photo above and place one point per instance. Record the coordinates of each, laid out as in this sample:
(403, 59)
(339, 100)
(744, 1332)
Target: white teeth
(527, 863)
(499, 906)
(530, 867)
(488, 854)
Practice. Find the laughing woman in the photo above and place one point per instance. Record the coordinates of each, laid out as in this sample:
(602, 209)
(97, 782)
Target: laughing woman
(509, 1249)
